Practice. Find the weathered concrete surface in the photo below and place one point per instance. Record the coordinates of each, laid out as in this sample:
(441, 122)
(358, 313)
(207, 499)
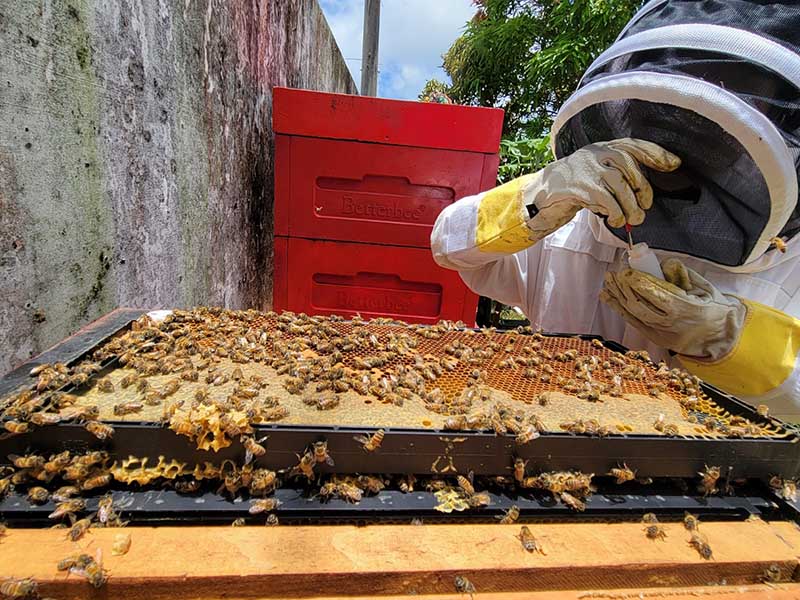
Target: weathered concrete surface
(136, 154)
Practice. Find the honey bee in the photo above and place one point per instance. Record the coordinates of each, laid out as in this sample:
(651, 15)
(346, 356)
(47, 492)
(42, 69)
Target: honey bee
(690, 522)
(655, 531)
(321, 454)
(252, 447)
(96, 482)
(44, 418)
(527, 434)
(76, 561)
(126, 408)
(275, 414)
(573, 502)
(105, 385)
(406, 484)
(153, 398)
(700, 543)
(38, 495)
(100, 430)
(64, 493)
(659, 422)
(5, 486)
(466, 484)
(371, 443)
(19, 588)
(623, 473)
(779, 244)
(464, 585)
(79, 528)
(349, 492)
(263, 505)
(709, 477)
(187, 486)
(762, 410)
(519, 468)
(305, 465)
(29, 461)
(121, 544)
(511, 516)
(67, 507)
(529, 542)
(370, 484)
(479, 500)
(106, 514)
(14, 427)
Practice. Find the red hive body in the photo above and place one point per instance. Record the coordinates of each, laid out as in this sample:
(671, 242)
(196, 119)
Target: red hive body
(359, 183)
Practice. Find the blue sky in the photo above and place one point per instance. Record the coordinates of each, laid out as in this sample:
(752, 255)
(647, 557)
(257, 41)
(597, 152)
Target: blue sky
(414, 35)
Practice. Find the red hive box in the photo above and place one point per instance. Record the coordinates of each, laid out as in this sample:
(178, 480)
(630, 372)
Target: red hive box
(359, 183)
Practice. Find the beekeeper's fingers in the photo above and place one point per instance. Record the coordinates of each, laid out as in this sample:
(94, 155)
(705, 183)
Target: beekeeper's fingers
(648, 154)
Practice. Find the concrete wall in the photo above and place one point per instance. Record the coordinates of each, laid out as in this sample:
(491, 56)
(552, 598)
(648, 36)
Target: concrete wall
(136, 154)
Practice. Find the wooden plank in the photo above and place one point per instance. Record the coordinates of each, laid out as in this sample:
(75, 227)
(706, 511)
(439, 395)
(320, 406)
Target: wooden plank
(380, 560)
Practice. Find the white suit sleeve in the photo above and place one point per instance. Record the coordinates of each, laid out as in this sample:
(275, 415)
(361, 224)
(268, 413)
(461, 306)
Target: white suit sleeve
(485, 268)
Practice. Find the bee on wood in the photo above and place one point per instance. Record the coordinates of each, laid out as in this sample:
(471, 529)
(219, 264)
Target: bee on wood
(456, 423)
(99, 430)
(529, 542)
(67, 507)
(519, 468)
(762, 410)
(263, 505)
(321, 454)
(75, 561)
(659, 422)
(121, 544)
(574, 427)
(690, 522)
(371, 443)
(79, 528)
(264, 481)
(708, 482)
(19, 588)
(573, 502)
(623, 473)
(464, 585)
(272, 520)
(655, 531)
(106, 515)
(466, 484)
(479, 500)
(700, 543)
(252, 447)
(511, 515)
(44, 418)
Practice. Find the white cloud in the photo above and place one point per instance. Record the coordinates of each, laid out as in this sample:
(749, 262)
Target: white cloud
(414, 34)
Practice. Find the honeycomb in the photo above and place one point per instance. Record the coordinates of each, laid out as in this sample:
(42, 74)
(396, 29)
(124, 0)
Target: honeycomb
(637, 408)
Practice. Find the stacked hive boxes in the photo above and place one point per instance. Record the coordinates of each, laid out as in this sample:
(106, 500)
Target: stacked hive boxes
(358, 185)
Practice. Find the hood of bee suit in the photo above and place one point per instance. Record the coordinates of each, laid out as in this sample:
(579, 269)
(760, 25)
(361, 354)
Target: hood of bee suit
(716, 82)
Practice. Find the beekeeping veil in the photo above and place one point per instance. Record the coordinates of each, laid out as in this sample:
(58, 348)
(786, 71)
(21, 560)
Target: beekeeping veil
(716, 82)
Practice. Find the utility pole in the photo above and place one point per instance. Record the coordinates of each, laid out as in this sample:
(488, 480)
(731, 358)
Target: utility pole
(369, 48)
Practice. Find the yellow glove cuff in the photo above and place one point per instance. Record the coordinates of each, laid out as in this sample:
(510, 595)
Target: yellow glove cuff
(762, 359)
(502, 219)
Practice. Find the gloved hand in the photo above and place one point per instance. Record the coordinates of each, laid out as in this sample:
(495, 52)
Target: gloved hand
(685, 313)
(603, 177)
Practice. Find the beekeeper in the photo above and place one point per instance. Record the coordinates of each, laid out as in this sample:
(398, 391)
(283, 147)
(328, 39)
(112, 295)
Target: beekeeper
(686, 130)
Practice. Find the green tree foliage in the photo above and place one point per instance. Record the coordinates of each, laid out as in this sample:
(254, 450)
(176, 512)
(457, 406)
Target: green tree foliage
(527, 56)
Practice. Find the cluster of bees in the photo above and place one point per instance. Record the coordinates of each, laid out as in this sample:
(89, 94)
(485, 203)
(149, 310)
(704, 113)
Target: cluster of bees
(697, 540)
(321, 358)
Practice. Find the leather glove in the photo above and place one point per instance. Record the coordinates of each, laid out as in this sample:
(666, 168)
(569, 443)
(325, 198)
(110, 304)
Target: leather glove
(685, 313)
(603, 177)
